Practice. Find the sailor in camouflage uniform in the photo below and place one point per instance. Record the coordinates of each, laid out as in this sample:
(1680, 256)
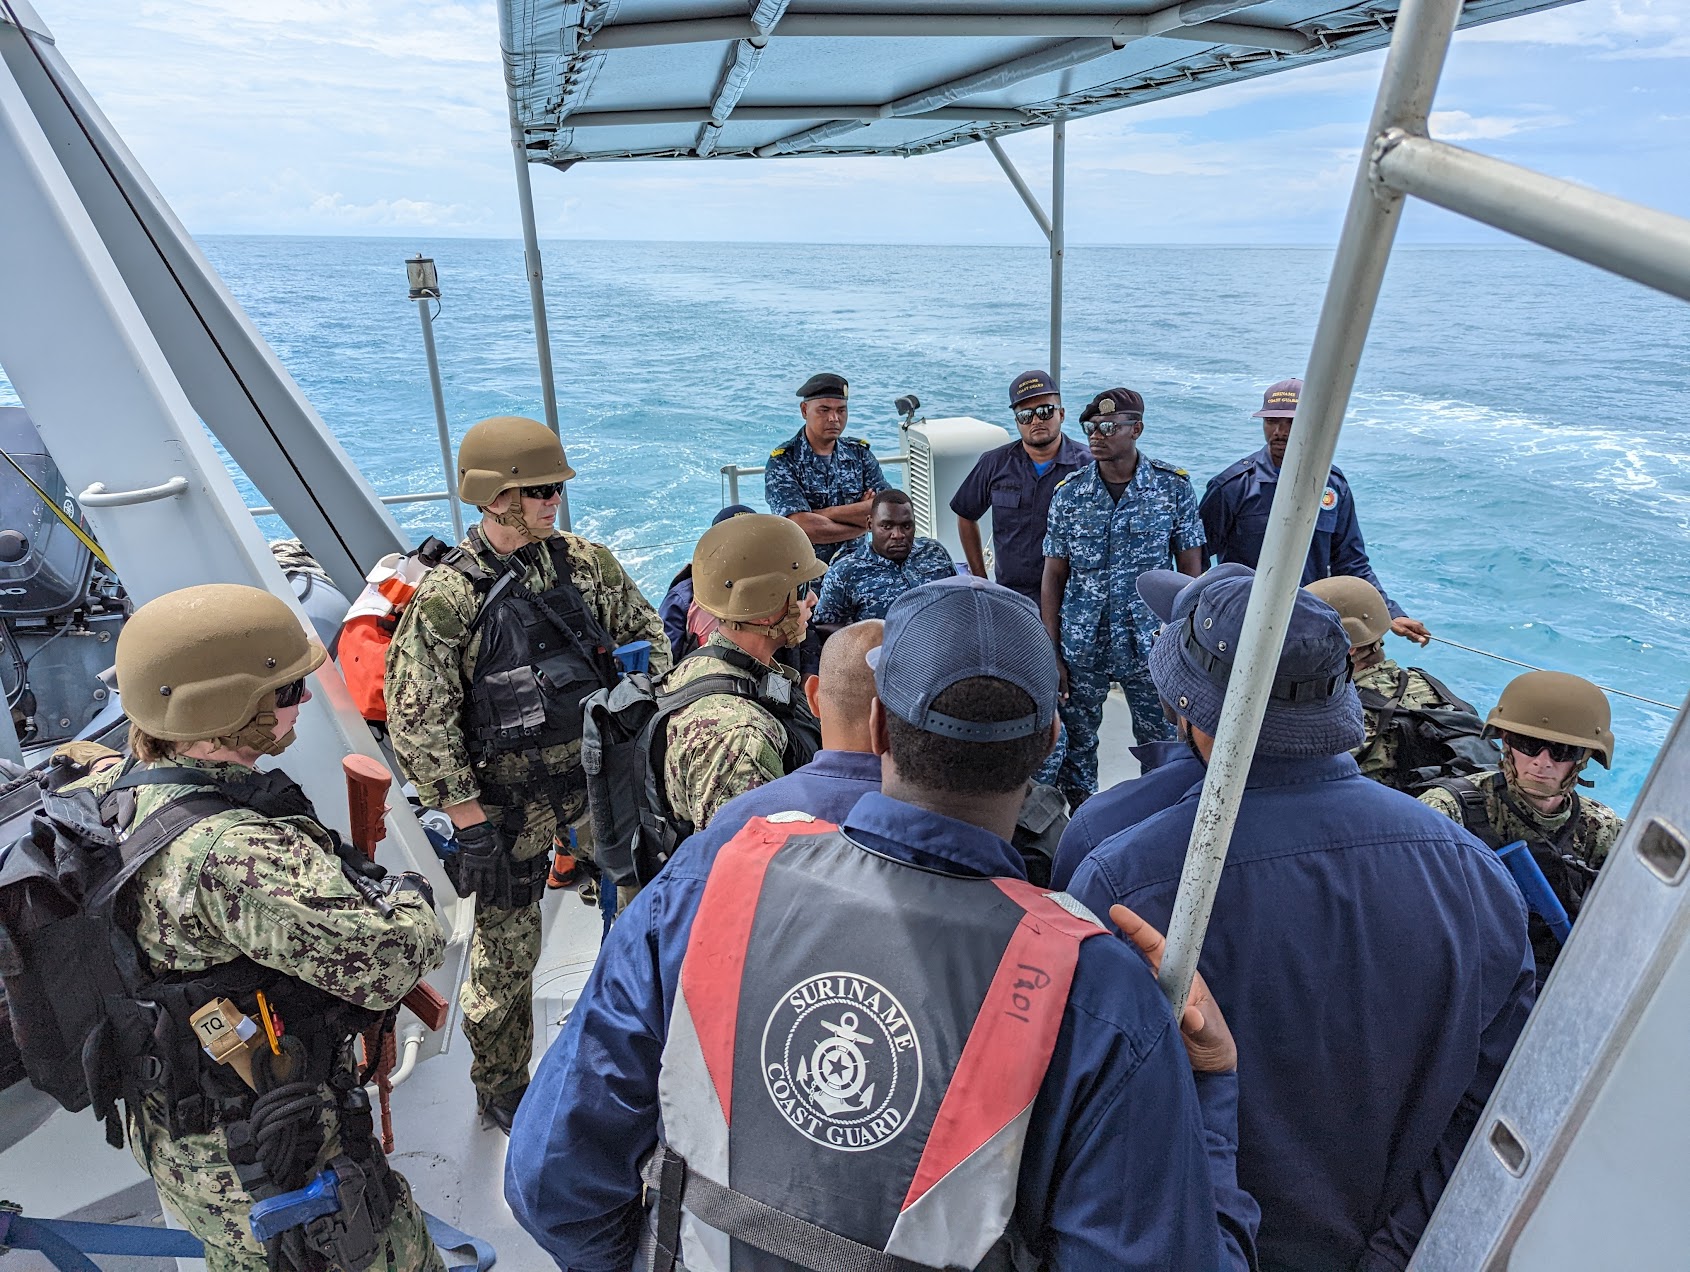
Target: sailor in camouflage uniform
(1366, 617)
(212, 679)
(864, 583)
(757, 574)
(820, 478)
(1551, 725)
(494, 739)
(1110, 522)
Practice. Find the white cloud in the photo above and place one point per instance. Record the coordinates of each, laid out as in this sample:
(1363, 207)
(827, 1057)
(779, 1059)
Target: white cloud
(1458, 125)
(1611, 28)
(396, 213)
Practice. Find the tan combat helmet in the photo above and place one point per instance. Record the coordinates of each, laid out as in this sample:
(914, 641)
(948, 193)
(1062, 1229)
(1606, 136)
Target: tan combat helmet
(1365, 616)
(507, 451)
(748, 566)
(197, 663)
(1558, 708)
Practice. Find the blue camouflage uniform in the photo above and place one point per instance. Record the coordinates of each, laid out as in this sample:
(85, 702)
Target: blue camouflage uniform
(863, 584)
(1107, 630)
(1167, 770)
(1235, 515)
(1128, 1163)
(799, 480)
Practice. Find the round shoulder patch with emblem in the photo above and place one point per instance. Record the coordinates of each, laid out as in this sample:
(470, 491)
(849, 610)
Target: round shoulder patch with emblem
(842, 1061)
(1329, 498)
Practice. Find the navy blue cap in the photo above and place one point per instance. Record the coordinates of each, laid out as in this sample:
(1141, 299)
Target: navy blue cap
(1030, 384)
(732, 510)
(1312, 709)
(954, 630)
(824, 385)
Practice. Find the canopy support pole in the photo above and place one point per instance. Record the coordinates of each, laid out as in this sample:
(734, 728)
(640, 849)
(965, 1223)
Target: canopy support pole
(531, 251)
(1412, 67)
(1058, 239)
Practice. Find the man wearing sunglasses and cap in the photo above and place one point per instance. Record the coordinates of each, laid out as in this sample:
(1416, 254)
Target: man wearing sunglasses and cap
(1110, 522)
(1551, 725)
(486, 674)
(1237, 499)
(875, 1045)
(1373, 960)
(1014, 483)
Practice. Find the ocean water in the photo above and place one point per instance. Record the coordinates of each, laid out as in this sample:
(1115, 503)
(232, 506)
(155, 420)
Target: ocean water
(1517, 441)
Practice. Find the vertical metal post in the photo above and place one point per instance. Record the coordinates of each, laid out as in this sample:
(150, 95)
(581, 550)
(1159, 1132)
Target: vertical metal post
(1058, 239)
(531, 248)
(731, 472)
(1410, 78)
(440, 419)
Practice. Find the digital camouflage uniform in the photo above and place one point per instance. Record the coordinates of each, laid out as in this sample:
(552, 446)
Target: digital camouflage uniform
(429, 666)
(863, 584)
(1377, 756)
(799, 480)
(1107, 629)
(721, 745)
(239, 883)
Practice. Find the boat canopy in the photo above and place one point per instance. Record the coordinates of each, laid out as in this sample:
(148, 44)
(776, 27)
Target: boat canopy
(700, 79)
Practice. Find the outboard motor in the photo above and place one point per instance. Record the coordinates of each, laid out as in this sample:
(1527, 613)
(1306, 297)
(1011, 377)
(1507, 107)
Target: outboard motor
(60, 607)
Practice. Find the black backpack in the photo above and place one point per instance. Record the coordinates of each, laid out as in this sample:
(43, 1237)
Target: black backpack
(63, 959)
(1432, 742)
(622, 745)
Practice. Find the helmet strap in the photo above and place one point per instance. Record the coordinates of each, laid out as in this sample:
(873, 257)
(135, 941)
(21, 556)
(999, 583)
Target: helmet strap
(786, 633)
(259, 733)
(1368, 655)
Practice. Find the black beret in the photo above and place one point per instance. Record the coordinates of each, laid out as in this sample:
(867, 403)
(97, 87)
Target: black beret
(824, 385)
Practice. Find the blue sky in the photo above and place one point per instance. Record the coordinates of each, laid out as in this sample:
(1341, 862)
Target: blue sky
(373, 117)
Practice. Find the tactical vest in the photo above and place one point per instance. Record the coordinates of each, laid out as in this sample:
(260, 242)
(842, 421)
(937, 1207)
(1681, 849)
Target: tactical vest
(1569, 876)
(94, 1022)
(542, 654)
(832, 1095)
(1431, 742)
(634, 828)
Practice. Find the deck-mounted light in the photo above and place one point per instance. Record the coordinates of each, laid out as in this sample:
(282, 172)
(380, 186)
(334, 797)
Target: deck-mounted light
(424, 278)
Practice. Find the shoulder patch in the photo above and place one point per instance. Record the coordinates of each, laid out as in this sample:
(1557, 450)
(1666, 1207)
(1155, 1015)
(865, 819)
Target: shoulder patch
(856, 441)
(1067, 477)
(1166, 467)
(777, 452)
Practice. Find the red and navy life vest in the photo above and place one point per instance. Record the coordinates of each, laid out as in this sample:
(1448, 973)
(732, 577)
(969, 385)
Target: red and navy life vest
(852, 1059)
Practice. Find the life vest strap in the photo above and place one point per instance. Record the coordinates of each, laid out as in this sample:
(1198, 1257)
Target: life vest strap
(746, 1219)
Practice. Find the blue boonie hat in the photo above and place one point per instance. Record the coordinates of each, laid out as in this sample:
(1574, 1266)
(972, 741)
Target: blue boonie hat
(1030, 384)
(954, 630)
(1313, 708)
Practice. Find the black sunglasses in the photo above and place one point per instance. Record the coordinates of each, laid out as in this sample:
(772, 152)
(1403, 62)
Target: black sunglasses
(807, 588)
(1026, 414)
(542, 492)
(290, 694)
(1560, 752)
(1099, 426)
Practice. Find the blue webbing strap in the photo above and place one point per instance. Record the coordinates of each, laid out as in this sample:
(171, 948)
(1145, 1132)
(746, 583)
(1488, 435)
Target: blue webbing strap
(449, 1238)
(66, 1244)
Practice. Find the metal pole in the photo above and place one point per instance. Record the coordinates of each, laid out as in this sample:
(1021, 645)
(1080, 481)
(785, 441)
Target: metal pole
(440, 416)
(1639, 243)
(1021, 187)
(531, 249)
(731, 472)
(1058, 239)
(1410, 78)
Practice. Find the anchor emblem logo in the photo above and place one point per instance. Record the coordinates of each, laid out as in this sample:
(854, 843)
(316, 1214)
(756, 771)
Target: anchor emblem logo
(842, 1061)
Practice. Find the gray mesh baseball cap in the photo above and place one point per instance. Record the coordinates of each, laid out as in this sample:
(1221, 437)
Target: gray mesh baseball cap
(954, 630)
